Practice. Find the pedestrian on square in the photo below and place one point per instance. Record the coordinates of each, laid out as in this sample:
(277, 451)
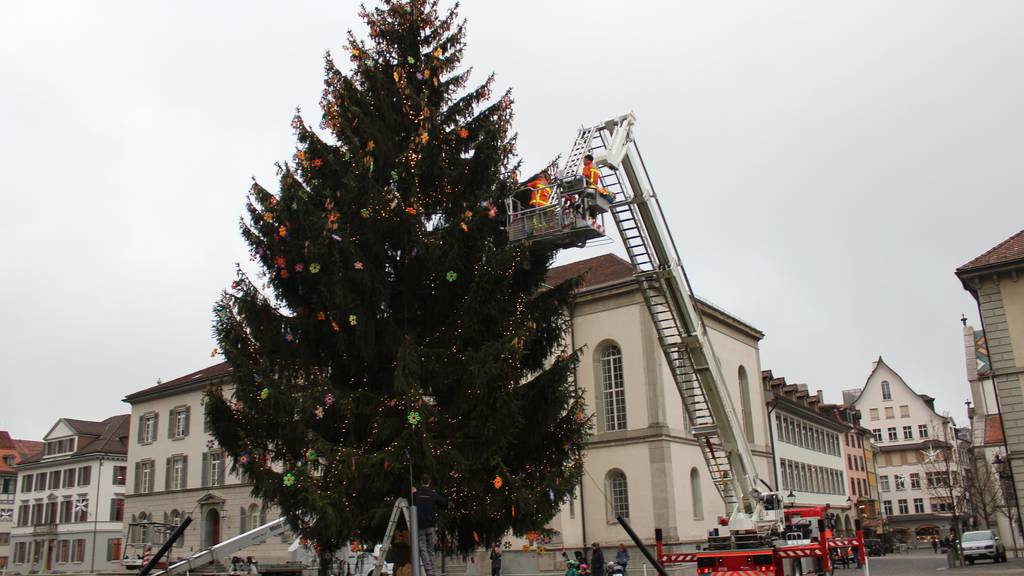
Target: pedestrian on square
(935, 544)
(495, 560)
(622, 557)
(596, 560)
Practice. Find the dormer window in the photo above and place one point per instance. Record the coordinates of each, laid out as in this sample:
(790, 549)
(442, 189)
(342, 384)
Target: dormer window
(55, 447)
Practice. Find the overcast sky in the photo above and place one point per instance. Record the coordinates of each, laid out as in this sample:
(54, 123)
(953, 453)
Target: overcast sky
(824, 167)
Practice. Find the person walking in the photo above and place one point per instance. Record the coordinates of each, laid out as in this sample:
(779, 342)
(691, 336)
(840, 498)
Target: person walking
(935, 544)
(427, 502)
(596, 560)
(495, 560)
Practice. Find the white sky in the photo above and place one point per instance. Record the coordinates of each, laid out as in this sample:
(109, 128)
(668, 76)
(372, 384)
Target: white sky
(824, 167)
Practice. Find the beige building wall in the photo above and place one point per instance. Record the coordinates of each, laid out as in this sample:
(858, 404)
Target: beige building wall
(218, 511)
(669, 486)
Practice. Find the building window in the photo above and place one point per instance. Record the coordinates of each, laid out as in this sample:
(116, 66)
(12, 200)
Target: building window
(64, 552)
(67, 509)
(54, 479)
(213, 468)
(69, 478)
(936, 479)
(41, 482)
(887, 507)
(614, 389)
(915, 481)
(78, 550)
(883, 483)
(55, 447)
(51, 512)
(84, 475)
(922, 431)
(82, 508)
(904, 411)
(116, 509)
(26, 483)
(113, 549)
(746, 405)
(619, 492)
(893, 437)
(908, 432)
(20, 552)
(179, 422)
(37, 512)
(144, 477)
(696, 498)
(254, 516)
(147, 428)
(903, 507)
(120, 475)
(177, 472)
(874, 413)
(877, 433)
(918, 505)
(889, 415)
(900, 480)
(886, 391)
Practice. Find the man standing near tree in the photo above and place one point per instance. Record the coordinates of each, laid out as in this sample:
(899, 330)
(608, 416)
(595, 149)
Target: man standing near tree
(427, 502)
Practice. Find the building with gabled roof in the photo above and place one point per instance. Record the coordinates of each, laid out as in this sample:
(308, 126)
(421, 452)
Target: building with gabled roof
(809, 444)
(914, 442)
(12, 452)
(70, 499)
(995, 369)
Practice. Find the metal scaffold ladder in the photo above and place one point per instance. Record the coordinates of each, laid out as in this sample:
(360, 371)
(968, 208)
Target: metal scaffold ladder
(669, 300)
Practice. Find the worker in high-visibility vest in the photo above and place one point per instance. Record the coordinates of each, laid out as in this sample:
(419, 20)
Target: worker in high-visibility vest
(593, 176)
(540, 194)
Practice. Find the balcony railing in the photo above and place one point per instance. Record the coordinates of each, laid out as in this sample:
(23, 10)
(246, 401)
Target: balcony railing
(44, 529)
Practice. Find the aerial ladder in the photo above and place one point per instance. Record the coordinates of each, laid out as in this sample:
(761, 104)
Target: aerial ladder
(757, 534)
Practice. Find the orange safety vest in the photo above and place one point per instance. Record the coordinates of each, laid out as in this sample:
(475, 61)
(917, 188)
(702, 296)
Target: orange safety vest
(592, 175)
(541, 195)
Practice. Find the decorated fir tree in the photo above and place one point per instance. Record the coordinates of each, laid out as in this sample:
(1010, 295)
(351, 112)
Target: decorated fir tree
(392, 319)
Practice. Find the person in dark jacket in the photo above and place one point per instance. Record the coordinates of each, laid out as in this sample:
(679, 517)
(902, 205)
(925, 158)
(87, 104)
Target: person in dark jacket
(427, 502)
(495, 560)
(596, 560)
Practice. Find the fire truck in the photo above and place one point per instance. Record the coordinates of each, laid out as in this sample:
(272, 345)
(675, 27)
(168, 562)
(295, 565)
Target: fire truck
(758, 535)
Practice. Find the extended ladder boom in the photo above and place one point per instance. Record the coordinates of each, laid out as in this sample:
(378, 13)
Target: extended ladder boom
(681, 332)
(225, 550)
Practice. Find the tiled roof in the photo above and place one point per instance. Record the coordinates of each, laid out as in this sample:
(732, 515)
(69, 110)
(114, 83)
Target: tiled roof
(993, 429)
(599, 270)
(207, 373)
(1007, 251)
(20, 449)
(609, 269)
(111, 437)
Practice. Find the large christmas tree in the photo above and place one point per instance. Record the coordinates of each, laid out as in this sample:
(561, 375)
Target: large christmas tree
(391, 319)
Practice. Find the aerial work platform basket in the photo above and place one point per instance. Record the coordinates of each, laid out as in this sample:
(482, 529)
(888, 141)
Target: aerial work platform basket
(573, 217)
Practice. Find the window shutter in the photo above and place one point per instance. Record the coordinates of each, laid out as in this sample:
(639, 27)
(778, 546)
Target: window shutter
(206, 470)
(138, 478)
(139, 434)
(184, 472)
(170, 423)
(167, 474)
(188, 419)
(113, 509)
(244, 524)
(156, 425)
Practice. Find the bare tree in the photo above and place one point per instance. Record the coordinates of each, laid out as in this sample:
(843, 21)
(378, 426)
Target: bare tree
(948, 479)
